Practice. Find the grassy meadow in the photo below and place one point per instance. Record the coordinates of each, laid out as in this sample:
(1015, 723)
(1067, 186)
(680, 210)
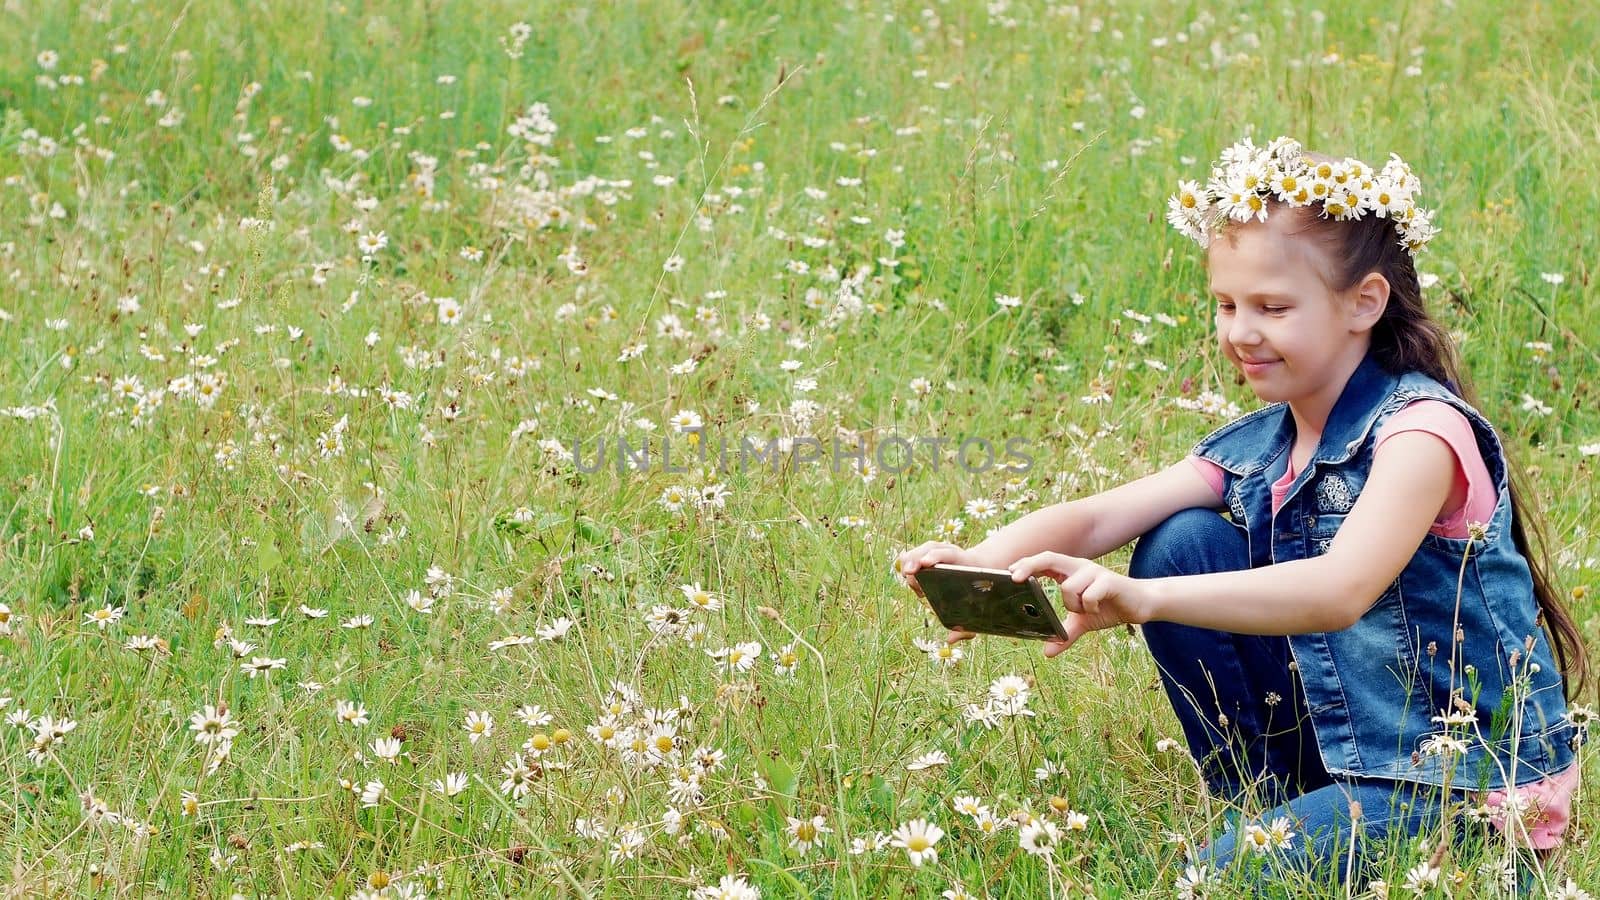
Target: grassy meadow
(304, 308)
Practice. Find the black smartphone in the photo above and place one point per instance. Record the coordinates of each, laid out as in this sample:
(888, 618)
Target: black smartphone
(987, 601)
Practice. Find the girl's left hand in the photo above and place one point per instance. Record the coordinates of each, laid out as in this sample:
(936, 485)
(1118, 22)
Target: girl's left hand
(1095, 596)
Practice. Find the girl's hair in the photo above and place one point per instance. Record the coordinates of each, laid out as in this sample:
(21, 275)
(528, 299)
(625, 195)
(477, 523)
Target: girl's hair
(1406, 338)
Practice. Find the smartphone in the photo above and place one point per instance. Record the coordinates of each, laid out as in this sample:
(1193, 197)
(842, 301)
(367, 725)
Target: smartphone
(987, 601)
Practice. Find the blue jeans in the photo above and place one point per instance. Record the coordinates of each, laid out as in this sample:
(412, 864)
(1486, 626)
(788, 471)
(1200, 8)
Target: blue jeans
(1245, 721)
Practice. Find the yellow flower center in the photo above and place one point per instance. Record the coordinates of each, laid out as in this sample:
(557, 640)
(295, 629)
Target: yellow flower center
(917, 844)
(540, 741)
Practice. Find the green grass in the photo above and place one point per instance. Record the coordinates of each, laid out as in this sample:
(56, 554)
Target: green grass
(964, 135)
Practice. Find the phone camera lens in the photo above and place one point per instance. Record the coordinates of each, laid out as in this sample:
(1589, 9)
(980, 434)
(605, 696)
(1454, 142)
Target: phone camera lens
(1031, 610)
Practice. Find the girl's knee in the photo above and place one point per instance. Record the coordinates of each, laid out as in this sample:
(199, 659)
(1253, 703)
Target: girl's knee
(1189, 542)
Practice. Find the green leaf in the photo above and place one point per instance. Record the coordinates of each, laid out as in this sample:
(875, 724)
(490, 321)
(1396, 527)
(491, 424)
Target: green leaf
(267, 557)
(591, 530)
(882, 793)
(780, 776)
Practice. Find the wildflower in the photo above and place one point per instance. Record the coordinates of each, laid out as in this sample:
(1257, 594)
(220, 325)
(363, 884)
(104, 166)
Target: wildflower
(729, 887)
(417, 600)
(518, 778)
(1194, 882)
(479, 725)
(386, 749)
(373, 793)
(981, 508)
(451, 784)
(918, 837)
(928, 761)
(262, 665)
(737, 658)
(1007, 301)
(104, 616)
(1280, 833)
(968, 805)
(1581, 715)
(371, 243)
(1421, 877)
(1011, 690)
(806, 833)
(350, 713)
(700, 598)
(1039, 838)
(940, 653)
(556, 630)
(1077, 821)
(211, 727)
(785, 660)
(1570, 891)
(47, 733)
(533, 716)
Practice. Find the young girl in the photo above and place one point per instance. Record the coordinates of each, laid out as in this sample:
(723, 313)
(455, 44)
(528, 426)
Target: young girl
(1337, 589)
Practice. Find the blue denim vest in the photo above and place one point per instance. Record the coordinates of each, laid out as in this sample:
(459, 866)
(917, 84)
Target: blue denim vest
(1374, 689)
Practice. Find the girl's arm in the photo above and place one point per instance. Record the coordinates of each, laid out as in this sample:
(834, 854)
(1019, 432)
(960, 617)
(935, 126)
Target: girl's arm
(1412, 474)
(1096, 525)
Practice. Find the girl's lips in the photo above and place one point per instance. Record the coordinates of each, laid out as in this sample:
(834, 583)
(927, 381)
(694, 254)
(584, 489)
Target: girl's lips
(1256, 368)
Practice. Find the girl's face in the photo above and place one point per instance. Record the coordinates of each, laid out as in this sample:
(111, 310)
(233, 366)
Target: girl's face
(1278, 322)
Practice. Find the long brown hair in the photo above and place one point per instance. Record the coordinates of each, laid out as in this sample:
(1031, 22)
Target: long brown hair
(1406, 338)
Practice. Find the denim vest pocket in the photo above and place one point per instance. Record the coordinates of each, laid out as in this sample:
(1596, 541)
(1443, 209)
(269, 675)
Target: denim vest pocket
(1320, 531)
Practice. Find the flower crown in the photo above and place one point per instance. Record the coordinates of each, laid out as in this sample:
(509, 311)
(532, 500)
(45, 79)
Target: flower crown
(1247, 176)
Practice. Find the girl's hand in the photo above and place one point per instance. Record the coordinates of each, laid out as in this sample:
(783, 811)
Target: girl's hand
(1095, 596)
(927, 554)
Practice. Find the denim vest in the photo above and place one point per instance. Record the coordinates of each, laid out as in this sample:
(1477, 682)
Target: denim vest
(1374, 689)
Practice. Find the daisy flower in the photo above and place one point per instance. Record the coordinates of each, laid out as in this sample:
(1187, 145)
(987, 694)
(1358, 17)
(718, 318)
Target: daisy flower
(213, 727)
(262, 665)
(386, 749)
(700, 598)
(729, 887)
(737, 658)
(941, 653)
(479, 725)
(371, 242)
(350, 713)
(928, 761)
(1039, 838)
(806, 833)
(556, 630)
(785, 660)
(918, 837)
(533, 716)
(104, 616)
(373, 793)
(968, 805)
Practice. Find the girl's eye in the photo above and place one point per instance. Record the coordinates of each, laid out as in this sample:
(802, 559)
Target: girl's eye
(1224, 307)
(1274, 309)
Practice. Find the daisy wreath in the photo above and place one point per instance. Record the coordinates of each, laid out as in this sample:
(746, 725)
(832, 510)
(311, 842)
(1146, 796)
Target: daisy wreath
(1247, 176)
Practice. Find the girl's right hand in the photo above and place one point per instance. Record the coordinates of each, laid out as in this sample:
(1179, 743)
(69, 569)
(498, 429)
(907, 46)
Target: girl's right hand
(930, 553)
(927, 554)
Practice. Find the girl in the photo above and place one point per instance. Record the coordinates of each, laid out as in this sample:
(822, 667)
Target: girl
(1338, 589)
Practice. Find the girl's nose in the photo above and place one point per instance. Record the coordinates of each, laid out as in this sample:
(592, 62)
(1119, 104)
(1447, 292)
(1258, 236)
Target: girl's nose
(1242, 331)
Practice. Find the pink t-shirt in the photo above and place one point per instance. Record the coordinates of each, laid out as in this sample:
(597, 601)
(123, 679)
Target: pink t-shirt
(1436, 418)
(1550, 800)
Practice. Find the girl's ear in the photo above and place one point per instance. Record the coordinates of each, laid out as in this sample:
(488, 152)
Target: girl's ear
(1370, 301)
